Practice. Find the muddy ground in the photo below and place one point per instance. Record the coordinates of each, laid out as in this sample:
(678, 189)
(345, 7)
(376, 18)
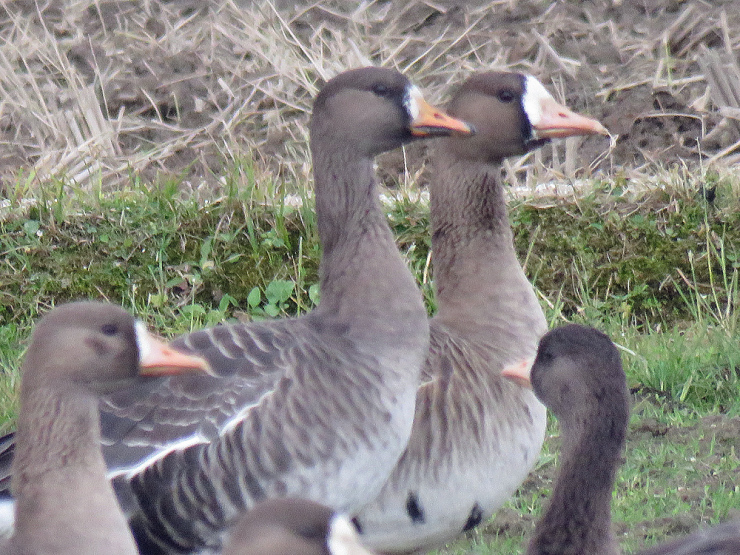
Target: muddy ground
(184, 86)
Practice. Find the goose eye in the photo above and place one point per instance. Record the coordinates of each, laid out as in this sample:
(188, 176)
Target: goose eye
(109, 329)
(380, 89)
(505, 96)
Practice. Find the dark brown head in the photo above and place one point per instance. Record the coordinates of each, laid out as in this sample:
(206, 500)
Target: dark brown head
(292, 526)
(373, 110)
(578, 371)
(512, 113)
(99, 347)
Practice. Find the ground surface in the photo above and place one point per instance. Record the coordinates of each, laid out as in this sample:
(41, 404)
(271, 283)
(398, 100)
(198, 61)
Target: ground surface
(116, 88)
(656, 451)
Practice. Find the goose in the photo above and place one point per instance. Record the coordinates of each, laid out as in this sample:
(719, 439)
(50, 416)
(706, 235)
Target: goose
(723, 539)
(475, 435)
(78, 351)
(578, 375)
(317, 407)
(291, 527)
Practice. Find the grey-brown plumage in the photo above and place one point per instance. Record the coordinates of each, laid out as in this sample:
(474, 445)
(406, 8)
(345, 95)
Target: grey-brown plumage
(578, 375)
(79, 351)
(317, 407)
(723, 539)
(475, 435)
(293, 527)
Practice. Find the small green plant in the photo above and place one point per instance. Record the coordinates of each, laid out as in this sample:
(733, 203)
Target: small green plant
(277, 295)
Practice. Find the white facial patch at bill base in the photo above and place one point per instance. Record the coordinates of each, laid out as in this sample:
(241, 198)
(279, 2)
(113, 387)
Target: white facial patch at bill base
(535, 94)
(343, 538)
(142, 339)
(411, 101)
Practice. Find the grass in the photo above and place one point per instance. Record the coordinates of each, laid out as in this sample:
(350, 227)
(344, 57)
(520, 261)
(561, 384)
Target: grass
(128, 175)
(657, 270)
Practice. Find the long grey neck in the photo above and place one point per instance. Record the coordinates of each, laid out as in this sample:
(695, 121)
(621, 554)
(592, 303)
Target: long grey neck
(583, 491)
(57, 428)
(363, 276)
(476, 270)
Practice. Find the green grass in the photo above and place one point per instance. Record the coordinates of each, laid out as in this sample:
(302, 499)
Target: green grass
(658, 272)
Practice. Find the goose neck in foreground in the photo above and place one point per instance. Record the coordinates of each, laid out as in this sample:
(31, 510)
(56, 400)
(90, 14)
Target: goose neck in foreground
(72, 435)
(578, 518)
(65, 504)
(361, 268)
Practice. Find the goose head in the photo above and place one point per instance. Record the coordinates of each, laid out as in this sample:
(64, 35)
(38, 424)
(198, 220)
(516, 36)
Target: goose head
(374, 110)
(512, 113)
(292, 526)
(100, 348)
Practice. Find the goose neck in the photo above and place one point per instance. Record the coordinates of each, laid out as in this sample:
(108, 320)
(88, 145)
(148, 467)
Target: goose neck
(362, 274)
(473, 252)
(583, 491)
(56, 428)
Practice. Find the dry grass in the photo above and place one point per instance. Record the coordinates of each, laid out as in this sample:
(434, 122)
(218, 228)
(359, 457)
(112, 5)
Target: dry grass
(93, 91)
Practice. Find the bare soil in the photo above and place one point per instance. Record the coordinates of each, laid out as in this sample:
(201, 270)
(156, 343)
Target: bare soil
(182, 87)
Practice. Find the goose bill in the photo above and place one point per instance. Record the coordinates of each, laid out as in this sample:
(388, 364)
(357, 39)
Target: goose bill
(519, 373)
(431, 121)
(557, 121)
(156, 358)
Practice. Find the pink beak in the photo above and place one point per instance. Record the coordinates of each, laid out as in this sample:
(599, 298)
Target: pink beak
(156, 358)
(519, 372)
(559, 121)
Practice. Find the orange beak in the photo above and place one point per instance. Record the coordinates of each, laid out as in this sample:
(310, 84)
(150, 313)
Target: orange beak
(433, 122)
(559, 121)
(156, 358)
(519, 372)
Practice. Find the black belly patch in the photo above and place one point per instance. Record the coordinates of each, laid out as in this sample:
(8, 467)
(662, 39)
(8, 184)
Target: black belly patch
(414, 510)
(476, 515)
(358, 524)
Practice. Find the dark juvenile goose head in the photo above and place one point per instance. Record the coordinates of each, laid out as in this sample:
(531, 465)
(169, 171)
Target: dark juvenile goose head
(99, 348)
(374, 110)
(512, 114)
(578, 375)
(291, 527)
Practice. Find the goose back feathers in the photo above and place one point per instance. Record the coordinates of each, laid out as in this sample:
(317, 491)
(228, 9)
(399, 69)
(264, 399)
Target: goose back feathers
(65, 504)
(317, 407)
(475, 435)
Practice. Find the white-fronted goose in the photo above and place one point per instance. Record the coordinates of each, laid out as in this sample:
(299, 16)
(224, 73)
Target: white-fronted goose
(475, 435)
(79, 351)
(578, 375)
(317, 407)
(723, 539)
(293, 527)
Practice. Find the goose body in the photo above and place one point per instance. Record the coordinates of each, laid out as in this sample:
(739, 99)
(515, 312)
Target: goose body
(578, 375)
(475, 435)
(79, 351)
(293, 527)
(723, 539)
(317, 407)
